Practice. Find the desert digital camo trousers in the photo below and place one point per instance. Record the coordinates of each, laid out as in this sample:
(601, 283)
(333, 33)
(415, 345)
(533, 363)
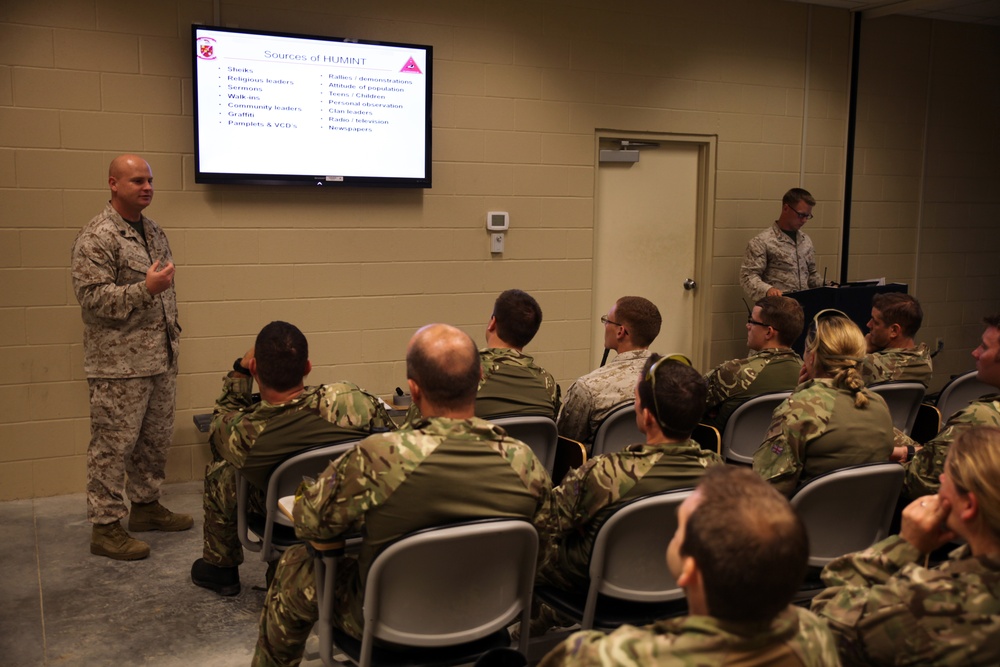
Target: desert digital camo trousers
(222, 545)
(131, 426)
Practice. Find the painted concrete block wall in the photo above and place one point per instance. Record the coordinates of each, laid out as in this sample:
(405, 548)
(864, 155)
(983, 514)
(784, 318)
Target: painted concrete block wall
(520, 90)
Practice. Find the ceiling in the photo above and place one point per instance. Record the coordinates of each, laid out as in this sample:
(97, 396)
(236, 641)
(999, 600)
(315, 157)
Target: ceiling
(985, 12)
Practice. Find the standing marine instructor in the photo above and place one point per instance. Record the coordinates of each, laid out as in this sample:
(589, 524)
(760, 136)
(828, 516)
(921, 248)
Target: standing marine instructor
(782, 258)
(123, 277)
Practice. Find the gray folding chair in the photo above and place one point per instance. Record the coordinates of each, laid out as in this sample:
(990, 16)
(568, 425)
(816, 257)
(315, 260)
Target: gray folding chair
(848, 510)
(961, 391)
(629, 579)
(537, 432)
(748, 425)
(617, 431)
(438, 596)
(903, 399)
(273, 533)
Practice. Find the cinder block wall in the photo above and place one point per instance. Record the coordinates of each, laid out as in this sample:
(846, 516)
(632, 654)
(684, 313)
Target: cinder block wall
(520, 89)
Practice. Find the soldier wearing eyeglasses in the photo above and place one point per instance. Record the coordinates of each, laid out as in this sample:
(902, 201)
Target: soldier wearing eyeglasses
(782, 258)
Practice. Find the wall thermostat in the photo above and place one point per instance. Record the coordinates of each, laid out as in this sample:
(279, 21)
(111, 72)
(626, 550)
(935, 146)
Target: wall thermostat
(497, 221)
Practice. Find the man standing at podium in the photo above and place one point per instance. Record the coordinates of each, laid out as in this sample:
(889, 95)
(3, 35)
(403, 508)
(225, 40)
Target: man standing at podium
(782, 259)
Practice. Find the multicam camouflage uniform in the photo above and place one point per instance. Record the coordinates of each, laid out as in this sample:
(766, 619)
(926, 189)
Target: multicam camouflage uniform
(595, 395)
(817, 429)
(255, 437)
(130, 347)
(896, 365)
(794, 637)
(735, 382)
(885, 609)
(773, 259)
(589, 494)
(439, 471)
(512, 384)
(923, 472)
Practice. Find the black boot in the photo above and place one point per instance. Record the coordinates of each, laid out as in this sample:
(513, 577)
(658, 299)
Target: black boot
(223, 580)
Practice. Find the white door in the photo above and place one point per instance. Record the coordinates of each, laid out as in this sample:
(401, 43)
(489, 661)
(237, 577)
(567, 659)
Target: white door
(645, 240)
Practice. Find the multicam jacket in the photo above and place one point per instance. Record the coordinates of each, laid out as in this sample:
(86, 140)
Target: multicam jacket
(794, 638)
(885, 609)
(127, 332)
(773, 259)
(735, 382)
(589, 494)
(595, 395)
(513, 384)
(896, 365)
(817, 429)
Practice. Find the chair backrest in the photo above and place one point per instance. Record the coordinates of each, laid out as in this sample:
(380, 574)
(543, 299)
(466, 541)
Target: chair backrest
(451, 585)
(848, 510)
(748, 425)
(628, 559)
(617, 431)
(284, 481)
(903, 399)
(537, 432)
(961, 391)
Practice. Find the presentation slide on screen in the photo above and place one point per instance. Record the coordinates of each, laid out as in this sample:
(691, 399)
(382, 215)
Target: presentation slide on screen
(342, 109)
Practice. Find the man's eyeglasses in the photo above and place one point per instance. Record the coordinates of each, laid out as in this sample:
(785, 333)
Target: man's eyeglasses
(605, 320)
(751, 320)
(650, 377)
(802, 216)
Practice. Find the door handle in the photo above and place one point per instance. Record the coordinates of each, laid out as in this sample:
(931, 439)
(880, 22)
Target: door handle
(690, 284)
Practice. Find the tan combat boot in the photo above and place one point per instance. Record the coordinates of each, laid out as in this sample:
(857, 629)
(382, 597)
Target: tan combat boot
(112, 541)
(154, 516)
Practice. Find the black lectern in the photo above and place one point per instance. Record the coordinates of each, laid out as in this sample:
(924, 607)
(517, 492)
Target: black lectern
(855, 300)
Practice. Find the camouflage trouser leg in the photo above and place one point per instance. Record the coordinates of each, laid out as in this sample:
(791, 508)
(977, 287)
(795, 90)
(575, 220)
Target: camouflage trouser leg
(290, 608)
(221, 542)
(131, 426)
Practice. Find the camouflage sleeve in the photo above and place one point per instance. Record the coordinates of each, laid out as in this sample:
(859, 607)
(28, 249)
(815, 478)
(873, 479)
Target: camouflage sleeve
(872, 369)
(589, 647)
(779, 458)
(95, 272)
(813, 279)
(754, 263)
(587, 490)
(872, 566)
(233, 429)
(574, 416)
(723, 382)
(346, 404)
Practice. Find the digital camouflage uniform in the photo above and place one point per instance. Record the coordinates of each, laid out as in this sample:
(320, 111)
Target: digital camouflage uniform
(735, 382)
(897, 365)
(440, 471)
(255, 437)
(817, 430)
(130, 347)
(885, 609)
(589, 494)
(795, 638)
(595, 395)
(773, 259)
(512, 385)
(923, 471)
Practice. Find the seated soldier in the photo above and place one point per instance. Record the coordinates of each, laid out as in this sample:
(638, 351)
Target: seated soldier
(512, 383)
(254, 437)
(773, 325)
(740, 554)
(449, 467)
(831, 421)
(629, 329)
(669, 396)
(885, 606)
(926, 463)
(892, 355)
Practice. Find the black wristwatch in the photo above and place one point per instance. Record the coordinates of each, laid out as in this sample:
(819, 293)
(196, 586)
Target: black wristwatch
(238, 367)
(910, 451)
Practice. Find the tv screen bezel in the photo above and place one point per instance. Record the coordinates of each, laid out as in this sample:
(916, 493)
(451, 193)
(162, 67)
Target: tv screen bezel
(239, 178)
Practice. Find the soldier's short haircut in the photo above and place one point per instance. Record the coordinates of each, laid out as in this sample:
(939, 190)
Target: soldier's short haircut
(518, 317)
(748, 543)
(679, 398)
(281, 353)
(795, 195)
(785, 315)
(901, 309)
(973, 464)
(640, 317)
(992, 321)
(444, 363)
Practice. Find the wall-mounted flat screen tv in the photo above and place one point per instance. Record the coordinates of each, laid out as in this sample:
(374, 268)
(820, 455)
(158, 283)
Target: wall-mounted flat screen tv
(277, 108)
